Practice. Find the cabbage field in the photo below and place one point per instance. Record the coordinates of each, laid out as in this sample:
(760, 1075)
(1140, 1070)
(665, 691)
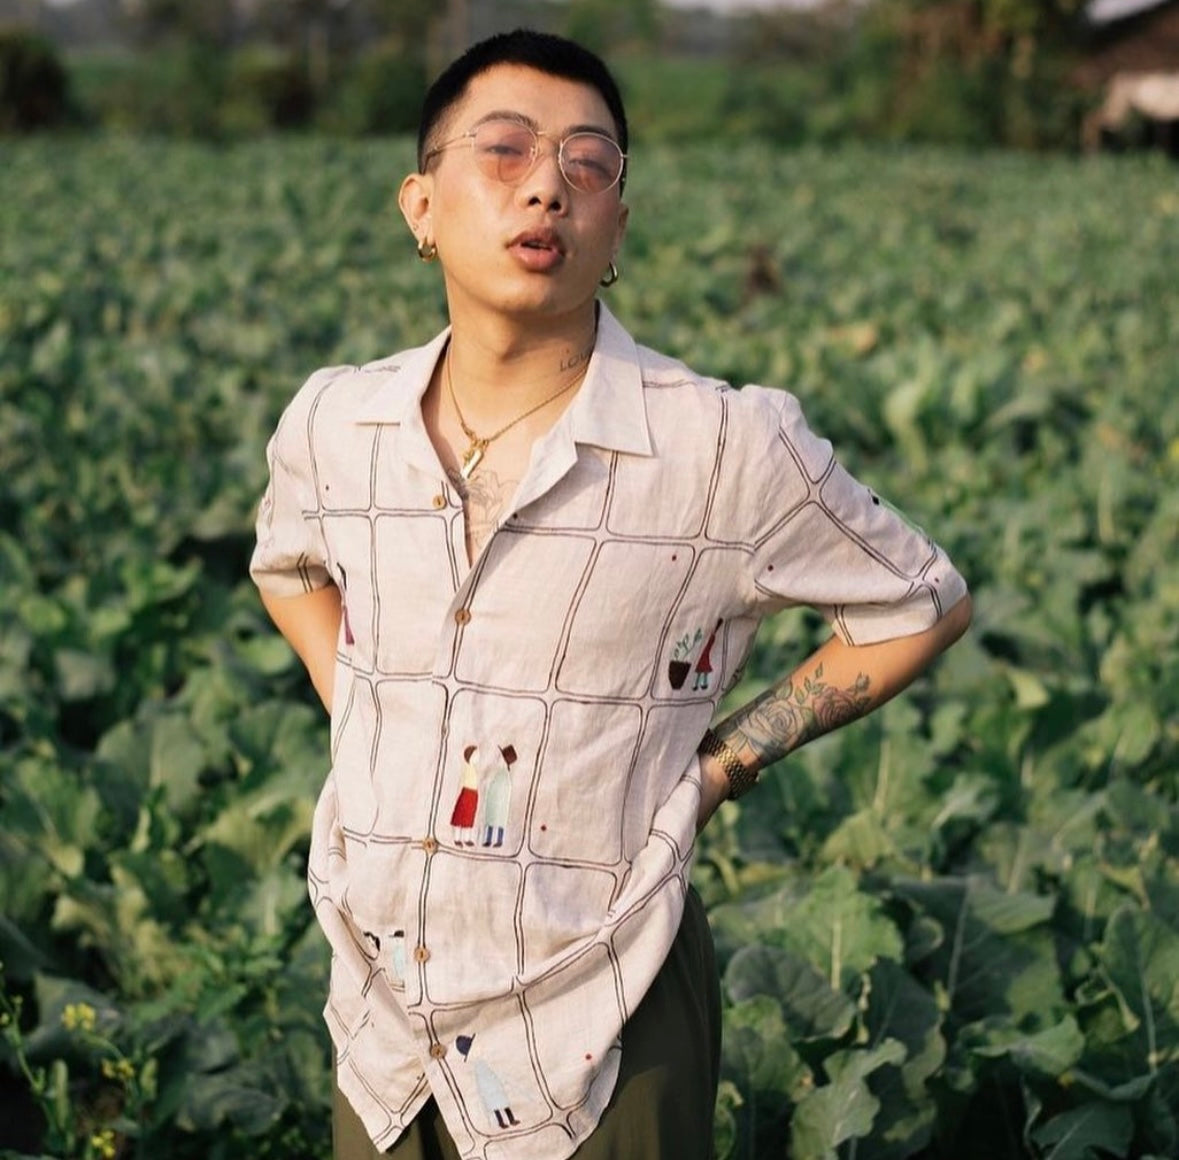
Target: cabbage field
(949, 931)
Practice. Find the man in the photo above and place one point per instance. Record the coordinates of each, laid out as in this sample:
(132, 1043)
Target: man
(499, 546)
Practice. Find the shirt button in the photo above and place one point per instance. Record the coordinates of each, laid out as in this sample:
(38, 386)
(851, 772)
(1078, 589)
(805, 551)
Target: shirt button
(440, 501)
(430, 845)
(463, 616)
(421, 954)
(438, 1050)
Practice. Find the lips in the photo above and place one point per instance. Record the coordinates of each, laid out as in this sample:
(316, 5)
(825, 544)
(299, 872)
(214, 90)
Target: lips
(539, 251)
(538, 239)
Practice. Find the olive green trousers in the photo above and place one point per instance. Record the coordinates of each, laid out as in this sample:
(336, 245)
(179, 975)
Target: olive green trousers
(662, 1105)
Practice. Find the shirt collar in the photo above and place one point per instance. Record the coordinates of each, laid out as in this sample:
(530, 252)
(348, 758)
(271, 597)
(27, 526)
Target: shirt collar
(608, 412)
(399, 383)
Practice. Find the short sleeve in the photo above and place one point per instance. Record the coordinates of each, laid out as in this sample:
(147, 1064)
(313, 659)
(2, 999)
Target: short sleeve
(290, 557)
(836, 546)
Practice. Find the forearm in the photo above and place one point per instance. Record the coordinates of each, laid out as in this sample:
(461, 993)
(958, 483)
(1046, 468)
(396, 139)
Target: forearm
(836, 684)
(310, 623)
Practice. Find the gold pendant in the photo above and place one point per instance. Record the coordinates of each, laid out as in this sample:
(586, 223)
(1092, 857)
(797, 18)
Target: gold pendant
(472, 458)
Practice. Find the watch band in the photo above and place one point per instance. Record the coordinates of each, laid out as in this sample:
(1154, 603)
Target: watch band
(741, 778)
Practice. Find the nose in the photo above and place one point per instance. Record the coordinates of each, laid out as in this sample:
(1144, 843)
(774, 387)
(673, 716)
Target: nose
(544, 183)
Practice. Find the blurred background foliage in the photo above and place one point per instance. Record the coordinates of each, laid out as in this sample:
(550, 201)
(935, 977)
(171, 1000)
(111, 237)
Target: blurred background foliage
(968, 72)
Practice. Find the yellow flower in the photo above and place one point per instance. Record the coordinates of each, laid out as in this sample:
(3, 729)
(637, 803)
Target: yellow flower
(104, 1144)
(79, 1017)
(120, 1069)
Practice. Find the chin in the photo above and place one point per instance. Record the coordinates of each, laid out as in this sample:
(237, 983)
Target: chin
(544, 301)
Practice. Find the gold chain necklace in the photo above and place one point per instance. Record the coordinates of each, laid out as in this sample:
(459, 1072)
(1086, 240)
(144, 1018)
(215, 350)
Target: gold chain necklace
(473, 455)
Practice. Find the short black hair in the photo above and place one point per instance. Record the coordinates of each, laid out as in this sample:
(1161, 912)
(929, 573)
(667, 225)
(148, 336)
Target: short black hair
(542, 51)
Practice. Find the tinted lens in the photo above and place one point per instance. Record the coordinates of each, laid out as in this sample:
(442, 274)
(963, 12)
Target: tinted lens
(591, 162)
(504, 149)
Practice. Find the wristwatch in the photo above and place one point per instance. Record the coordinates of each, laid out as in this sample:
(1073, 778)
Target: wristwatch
(741, 778)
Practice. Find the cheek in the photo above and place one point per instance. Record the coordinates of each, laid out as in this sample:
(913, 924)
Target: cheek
(610, 234)
(465, 209)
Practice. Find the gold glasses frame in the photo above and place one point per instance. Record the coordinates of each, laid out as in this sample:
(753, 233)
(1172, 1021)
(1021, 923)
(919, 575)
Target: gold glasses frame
(469, 138)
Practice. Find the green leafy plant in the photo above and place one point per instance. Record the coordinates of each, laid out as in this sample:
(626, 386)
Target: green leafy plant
(947, 931)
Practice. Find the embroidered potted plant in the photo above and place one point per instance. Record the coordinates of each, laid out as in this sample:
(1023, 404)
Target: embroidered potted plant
(680, 664)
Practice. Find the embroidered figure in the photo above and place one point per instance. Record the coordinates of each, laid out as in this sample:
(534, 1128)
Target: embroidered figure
(466, 805)
(348, 637)
(680, 664)
(396, 952)
(497, 796)
(704, 660)
(491, 1088)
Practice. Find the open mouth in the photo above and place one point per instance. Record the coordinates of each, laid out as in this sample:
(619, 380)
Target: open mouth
(544, 241)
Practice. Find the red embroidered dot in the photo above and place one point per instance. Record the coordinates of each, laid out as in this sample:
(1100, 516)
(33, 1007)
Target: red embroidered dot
(770, 568)
(543, 828)
(588, 1056)
(674, 556)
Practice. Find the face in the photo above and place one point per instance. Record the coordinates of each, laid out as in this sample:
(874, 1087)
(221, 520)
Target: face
(534, 249)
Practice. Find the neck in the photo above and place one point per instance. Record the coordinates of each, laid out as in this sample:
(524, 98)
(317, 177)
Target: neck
(500, 366)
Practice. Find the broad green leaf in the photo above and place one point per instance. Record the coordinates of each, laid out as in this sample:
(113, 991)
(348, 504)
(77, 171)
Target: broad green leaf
(263, 827)
(900, 1009)
(269, 655)
(1062, 826)
(757, 1052)
(55, 812)
(1160, 1119)
(844, 1108)
(116, 921)
(972, 798)
(277, 736)
(840, 929)
(1122, 1093)
(1030, 692)
(232, 1098)
(212, 1047)
(1049, 1053)
(83, 675)
(1086, 1133)
(177, 761)
(271, 902)
(812, 1008)
(994, 957)
(728, 1107)
(859, 841)
(1140, 958)
(1141, 811)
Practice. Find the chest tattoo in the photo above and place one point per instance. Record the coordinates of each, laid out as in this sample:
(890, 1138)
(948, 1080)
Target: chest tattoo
(484, 497)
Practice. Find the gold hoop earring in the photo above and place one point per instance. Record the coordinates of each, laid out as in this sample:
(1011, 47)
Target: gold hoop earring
(427, 251)
(610, 277)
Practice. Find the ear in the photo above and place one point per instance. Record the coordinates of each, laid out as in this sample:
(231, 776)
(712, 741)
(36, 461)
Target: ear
(620, 229)
(414, 200)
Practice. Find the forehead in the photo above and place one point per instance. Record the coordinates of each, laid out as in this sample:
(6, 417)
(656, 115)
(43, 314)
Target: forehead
(554, 103)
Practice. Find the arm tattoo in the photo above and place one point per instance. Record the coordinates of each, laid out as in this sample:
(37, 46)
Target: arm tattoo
(787, 716)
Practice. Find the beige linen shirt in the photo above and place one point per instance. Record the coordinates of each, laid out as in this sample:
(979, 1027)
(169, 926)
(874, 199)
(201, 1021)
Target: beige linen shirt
(501, 849)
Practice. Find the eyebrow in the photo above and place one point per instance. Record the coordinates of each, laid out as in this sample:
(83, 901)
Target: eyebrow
(534, 125)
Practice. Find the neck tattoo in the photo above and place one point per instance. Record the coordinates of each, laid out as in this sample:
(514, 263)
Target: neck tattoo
(473, 456)
(577, 360)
